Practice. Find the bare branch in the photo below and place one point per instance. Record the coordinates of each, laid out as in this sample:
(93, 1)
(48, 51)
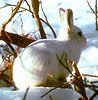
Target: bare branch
(47, 21)
(78, 84)
(35, 6)
(24, 9)
(94, 95)
(12, 15)
(7, 21)
(13, 38)
(24, 98)
(93, 86)
(91, 9)
(64, 65)
(90, 75)
(14, 53)
(92, 82)
(44, 13)
(50, 97)
(29, 10)
(60, 83)
(28, 5)
(48, 92)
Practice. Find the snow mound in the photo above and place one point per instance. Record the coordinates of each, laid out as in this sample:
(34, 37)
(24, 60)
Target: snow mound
(36, 93)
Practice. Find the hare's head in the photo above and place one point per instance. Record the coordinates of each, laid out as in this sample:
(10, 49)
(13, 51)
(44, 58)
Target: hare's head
(68, 30)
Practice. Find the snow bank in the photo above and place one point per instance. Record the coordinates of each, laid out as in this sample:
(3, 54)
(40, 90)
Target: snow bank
(36, 93)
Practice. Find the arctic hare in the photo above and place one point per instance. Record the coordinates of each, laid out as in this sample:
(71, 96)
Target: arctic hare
(41, 57)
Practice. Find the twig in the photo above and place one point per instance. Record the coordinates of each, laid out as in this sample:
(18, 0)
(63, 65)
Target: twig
(65, 66)
(6, 78)
(35, 6)
(49, 92)
(52, 76)
(91, 86)
(7, 21)
(50, 97)
(90, 75)
(14, 38)
(94, 95)
(96, 14)
(79, 87)
(24, 98)
(78, 82)
(29, 10)
(47, 21)
(50, 27)
(28, 5)
(93, 82)
(91, 8)
(60, 83)
(12, 15)
(13, 50)
(44, 13)
(23, 32)
(24, 9)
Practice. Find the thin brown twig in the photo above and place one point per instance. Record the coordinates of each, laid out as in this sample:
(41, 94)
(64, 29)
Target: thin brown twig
(78, 82)
(29, 10)
(12, 15)
(49, 92)
(24, 9)
(35, 6)
(52, 76)
(25, 95)
(94, 95)
(50, 97)
(91, 86)
(54, 88)
(62, 83)
(79, 86)
(90, 75)
(7, 21)
(67, 68)
(67, 83)
(28, 5)
(92, 82)
(49, 26)
(13, 50)
(91, 8)
(47, 21)
(44, 13)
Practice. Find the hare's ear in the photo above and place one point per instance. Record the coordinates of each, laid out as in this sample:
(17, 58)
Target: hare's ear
(66, 17)
(62, 15)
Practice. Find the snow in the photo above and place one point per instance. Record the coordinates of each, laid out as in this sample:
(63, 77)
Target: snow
(83, 18)
(36, 93)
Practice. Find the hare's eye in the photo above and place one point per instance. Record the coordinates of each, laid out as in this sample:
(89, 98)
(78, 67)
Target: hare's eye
(80, 33)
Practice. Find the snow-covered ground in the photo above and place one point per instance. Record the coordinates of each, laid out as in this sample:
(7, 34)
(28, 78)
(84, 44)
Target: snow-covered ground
(83, 18)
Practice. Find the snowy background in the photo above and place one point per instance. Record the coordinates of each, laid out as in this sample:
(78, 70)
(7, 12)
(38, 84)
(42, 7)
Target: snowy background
(83, 18)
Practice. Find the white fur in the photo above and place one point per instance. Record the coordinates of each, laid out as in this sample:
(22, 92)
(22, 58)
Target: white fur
(39, 58)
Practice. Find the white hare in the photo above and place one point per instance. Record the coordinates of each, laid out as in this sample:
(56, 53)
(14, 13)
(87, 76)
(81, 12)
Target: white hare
(40, 58)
